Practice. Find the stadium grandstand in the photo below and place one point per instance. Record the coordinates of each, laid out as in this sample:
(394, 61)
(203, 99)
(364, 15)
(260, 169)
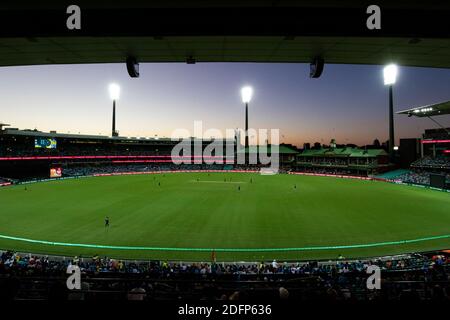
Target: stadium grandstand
(434, 142)
(438, 162)
(347, 160)
(406, 278)
(26, 154)
(31, 154)
(433, 161)
(286, 154)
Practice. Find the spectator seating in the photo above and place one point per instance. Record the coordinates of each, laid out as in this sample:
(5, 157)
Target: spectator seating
(417, 276)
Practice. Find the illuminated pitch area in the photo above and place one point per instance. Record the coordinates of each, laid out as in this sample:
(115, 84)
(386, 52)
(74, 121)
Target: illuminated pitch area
(223, 210)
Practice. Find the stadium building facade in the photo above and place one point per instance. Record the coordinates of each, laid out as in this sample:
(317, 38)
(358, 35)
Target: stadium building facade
(286, 154)
(436, 142)
(347, 160)
(33, 154)
(26, 154)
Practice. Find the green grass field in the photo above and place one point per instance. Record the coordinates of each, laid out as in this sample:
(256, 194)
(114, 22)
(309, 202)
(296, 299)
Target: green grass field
(201, 210)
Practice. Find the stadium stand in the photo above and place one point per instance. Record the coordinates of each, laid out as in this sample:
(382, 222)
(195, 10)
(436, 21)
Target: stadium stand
(406, 277)
(439, 162)
(421, 170)
(21, 143)
(30, 154)
(92, 170)
(419, 177)
(347, 160)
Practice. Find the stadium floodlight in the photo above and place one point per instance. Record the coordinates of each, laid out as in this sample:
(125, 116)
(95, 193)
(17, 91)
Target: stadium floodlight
(246, 93)
(114, 91)
(390, 74)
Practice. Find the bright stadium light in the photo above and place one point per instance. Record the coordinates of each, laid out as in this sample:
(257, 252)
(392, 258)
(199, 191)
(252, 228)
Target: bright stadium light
(246, 93)
(390, 74)
(114, 91)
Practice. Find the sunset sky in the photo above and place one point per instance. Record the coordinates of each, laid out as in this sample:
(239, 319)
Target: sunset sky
(348, 103)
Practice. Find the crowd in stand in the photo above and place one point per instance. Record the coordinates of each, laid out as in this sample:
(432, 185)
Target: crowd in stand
(420, 177)
(87, 149)
(334, 171)
(28, 263)
(107, 169)
(365, 162)
(83, 152)
(439, 162)
(325, 161)
(329, 161)
(101, 168)
(343, 278)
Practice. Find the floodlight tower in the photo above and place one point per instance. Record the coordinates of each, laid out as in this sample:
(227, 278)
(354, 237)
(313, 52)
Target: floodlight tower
(246, 93)
(390, 76)
(114, 93)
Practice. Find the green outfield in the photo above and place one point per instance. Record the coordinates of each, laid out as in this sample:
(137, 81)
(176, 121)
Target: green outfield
(243, 216)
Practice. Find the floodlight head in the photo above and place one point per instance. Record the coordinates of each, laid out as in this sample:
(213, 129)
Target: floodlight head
(114, 91)
(390, 74)
(246, 93)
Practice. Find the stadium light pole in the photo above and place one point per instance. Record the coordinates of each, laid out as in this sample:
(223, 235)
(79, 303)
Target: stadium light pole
(390, 76)
(114, 93)
(246, 93)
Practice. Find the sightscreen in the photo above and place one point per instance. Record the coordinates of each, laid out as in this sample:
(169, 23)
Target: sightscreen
(437, 180)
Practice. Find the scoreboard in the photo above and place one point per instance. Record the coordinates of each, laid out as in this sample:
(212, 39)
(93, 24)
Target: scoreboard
(45, 143)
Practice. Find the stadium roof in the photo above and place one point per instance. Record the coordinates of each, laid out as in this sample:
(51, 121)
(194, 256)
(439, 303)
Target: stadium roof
(413, 34)
(282, 149)
(36, 133)
(335, 50)
(429, 110)
(343, 152)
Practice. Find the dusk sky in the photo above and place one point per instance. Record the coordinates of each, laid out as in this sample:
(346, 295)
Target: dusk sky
(348, 103)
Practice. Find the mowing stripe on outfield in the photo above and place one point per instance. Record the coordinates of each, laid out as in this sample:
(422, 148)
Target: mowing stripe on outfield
(213, 181)
(98, 246)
